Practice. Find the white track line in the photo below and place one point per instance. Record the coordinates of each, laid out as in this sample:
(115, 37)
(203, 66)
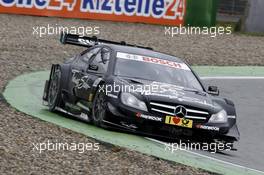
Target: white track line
(233, 78)
(208, 157)
(225, 162)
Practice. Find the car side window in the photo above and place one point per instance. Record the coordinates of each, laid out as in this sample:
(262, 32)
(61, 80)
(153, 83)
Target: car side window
(88, 55)
(100, 62)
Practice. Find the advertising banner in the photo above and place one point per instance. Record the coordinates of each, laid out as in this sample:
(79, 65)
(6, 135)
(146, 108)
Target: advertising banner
(166, 12)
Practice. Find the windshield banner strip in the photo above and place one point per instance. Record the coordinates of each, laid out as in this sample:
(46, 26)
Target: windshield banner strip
(153, 60)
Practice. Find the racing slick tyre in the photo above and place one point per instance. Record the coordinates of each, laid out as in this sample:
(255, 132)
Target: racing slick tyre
(99, 108)
(54, 93)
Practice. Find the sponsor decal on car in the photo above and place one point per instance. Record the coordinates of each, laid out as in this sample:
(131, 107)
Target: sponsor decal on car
(90, 97)
(88, 42)
(112, 95)
(169, 12)
(211, 128)
(176, 131)
(80, 81)
(84, 116)
(153, 60)
(149, 117)
(128, 125)
(183, 122)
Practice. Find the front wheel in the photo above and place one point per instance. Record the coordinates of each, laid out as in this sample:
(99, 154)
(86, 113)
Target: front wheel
(54, 93)
(99, 108)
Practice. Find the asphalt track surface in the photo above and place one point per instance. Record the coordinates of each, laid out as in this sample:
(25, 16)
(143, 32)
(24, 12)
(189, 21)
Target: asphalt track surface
(248, 97)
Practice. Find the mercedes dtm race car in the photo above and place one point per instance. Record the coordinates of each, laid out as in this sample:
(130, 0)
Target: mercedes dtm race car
(133, 88)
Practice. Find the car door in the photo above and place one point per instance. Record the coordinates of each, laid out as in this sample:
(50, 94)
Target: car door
(80, 79)
(96, 68)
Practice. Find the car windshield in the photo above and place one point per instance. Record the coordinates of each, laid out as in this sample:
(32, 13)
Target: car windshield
(155, 69)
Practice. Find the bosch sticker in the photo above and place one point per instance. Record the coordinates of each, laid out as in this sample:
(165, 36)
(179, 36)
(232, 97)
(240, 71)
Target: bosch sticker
(153, 60)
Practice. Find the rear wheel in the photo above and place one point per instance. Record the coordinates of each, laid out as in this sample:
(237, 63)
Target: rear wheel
(54, 93)
(99, 108)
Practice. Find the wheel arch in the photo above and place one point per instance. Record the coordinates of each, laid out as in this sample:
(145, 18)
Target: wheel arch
(96, 85)
(65, 74)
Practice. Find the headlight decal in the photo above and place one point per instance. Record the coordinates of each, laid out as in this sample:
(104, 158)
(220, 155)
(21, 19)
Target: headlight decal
(132, 101)
(220, 117)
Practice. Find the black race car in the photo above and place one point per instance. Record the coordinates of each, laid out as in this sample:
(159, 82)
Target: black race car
(134, 88)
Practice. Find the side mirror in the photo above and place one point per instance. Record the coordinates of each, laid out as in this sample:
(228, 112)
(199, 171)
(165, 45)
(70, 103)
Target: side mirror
(213, 90)
(93, 67)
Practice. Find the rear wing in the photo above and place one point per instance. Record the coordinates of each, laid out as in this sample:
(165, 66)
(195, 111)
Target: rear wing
(85, 41)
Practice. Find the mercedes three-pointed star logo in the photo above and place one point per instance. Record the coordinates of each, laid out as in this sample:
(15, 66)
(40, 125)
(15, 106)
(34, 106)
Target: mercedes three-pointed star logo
(180, 111)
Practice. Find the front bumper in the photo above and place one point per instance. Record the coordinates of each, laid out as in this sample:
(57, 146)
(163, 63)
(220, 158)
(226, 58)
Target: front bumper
(148, 124)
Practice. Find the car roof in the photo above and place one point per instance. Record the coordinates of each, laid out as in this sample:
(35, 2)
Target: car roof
(145, 52)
